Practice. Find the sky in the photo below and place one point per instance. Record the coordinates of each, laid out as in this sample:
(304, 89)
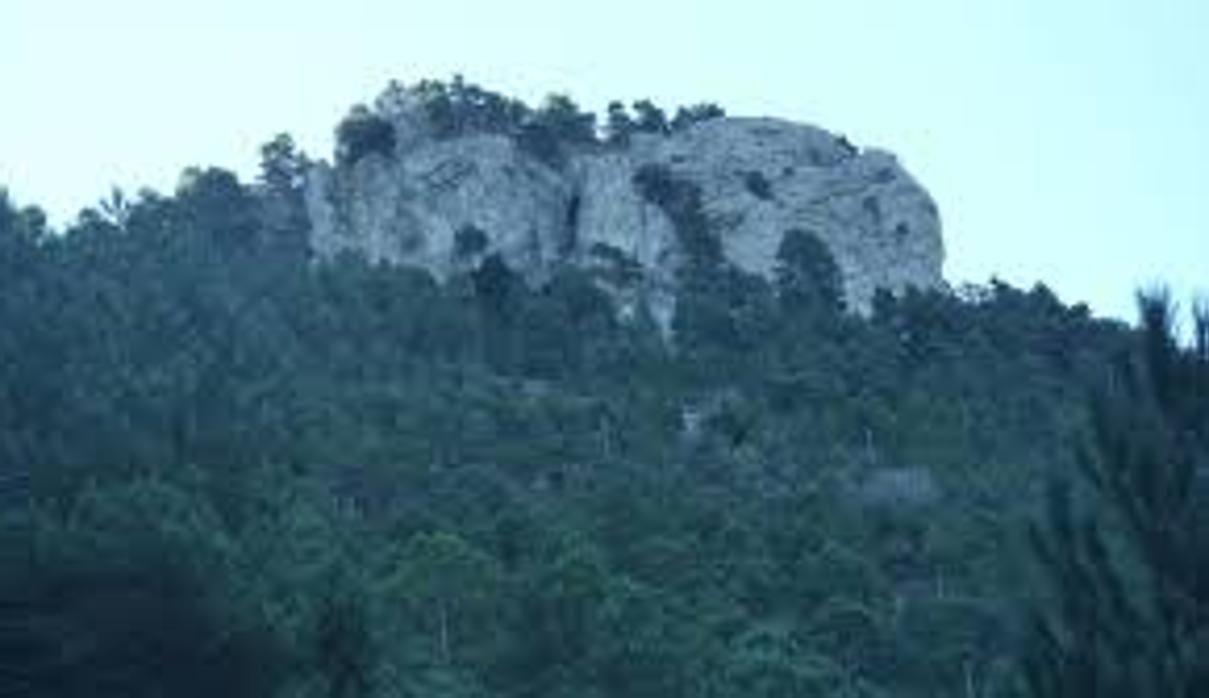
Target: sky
(1065, 142)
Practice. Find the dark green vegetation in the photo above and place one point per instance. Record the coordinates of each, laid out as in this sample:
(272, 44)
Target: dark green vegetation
(1131, 577)
(251, 474)
(457, 108)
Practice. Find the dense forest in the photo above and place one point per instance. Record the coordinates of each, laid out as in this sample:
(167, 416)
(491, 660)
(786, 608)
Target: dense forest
(227, 468)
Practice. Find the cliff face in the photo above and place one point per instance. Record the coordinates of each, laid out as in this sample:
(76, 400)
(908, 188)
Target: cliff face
(446, 203)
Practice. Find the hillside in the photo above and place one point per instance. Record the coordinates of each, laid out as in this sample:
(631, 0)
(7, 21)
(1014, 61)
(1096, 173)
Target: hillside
(261, 467)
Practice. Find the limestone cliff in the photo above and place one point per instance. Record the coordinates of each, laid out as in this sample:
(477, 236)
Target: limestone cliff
(444, 203)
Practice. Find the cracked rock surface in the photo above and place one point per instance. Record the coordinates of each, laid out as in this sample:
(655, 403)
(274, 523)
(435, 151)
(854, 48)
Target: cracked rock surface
(758, 178)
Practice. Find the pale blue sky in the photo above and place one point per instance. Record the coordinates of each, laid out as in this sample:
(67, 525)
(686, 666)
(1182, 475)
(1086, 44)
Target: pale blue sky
(1065, 142)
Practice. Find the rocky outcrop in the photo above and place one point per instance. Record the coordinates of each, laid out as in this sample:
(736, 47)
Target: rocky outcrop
(411, 208)
(446, 203)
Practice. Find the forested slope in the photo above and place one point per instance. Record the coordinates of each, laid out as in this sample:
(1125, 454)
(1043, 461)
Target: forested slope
(249, 472)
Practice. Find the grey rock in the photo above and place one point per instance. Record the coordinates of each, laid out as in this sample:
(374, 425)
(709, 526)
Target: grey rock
(408, 209)
(758, 177)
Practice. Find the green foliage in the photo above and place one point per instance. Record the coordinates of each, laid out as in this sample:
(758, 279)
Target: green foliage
(469, 241)
(618, 124)
(283, 477)
(282, 166)
(20, 231)
(695, 114)
(282, 208)
(361, 133)
(539, 139)
(213, 202)
(758, 185)
(1130, 615)
(450, 588)
(459, 108)
(565, 121)
(556, 126)
(137, 593)
(343, 651)
(649, 118)
(681, 201)
(807, 277)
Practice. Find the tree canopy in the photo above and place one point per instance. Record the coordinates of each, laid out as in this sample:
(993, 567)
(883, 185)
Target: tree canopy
(245, 471)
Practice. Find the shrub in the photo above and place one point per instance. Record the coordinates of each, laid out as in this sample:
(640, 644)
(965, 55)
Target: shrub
(468, 241)
(540, 141)
(681, 201)
(807, 274)
(687, 116)
(566, 122)
(650, 118)
(361, 133)
(758, 185)
(618, 124)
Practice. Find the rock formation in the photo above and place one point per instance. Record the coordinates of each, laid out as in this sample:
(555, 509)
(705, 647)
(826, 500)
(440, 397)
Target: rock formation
(444, 203)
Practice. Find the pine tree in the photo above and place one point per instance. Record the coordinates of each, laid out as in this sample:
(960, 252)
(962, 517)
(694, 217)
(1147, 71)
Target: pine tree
(1130, 568)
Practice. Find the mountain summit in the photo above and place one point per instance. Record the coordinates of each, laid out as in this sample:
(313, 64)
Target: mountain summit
(445, 176)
